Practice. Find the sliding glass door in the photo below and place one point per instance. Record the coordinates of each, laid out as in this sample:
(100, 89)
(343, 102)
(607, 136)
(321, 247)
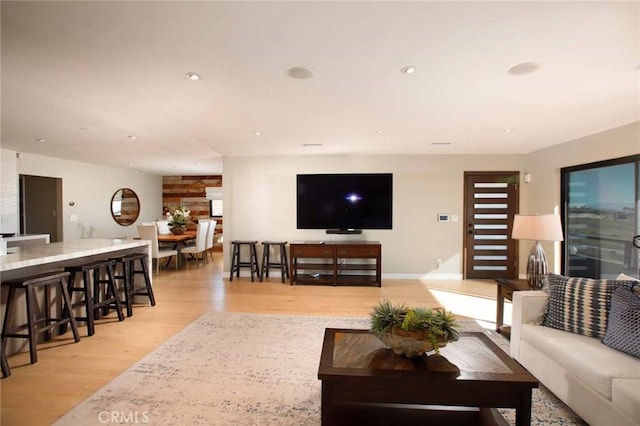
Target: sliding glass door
(600, 216)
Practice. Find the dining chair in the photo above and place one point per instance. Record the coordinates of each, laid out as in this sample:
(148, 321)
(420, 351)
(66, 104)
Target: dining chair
(210, 239)
(150, 232)
(198, 251)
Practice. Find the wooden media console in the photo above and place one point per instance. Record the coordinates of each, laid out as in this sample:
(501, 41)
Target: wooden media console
(336, 263)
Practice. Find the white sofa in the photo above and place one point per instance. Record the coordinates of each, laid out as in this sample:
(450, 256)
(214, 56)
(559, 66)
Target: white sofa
(600, 384)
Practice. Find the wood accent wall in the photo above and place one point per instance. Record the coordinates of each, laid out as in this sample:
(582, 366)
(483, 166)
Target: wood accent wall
(129, 209)
(190, 192)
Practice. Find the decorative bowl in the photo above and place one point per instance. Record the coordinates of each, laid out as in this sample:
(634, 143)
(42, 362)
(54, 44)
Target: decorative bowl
(408, 346)
(178, 229)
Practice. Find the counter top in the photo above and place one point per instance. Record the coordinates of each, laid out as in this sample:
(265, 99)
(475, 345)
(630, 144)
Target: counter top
(24, 257)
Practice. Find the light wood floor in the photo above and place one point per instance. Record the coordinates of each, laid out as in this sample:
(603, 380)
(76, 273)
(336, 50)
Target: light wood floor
(67, 372)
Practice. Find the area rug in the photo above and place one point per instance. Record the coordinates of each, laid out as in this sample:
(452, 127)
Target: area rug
(244, 369)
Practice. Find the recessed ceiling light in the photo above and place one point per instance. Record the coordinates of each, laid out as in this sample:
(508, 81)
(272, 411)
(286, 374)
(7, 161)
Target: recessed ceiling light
(524, 68)
(507, 130)
(441, 143)
(192, 76)
(311, 144)
(258, 133)
(380, 132)
(197, 163)
(41, 140)
(408, 69)
(132, 137)
(300, 73)
(86, 129)
(130, 164)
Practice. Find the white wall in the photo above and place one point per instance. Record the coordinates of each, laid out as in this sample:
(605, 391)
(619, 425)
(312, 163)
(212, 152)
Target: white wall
(90, 187)
(8, 192)
(260, 196)
(542, 195)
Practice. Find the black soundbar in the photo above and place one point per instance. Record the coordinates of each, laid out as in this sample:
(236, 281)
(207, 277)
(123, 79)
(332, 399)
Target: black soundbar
(344, 231)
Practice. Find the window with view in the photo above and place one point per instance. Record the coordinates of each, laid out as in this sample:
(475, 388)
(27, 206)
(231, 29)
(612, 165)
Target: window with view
(600, 216)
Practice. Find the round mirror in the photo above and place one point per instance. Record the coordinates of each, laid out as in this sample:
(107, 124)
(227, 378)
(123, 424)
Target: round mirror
(125, 206)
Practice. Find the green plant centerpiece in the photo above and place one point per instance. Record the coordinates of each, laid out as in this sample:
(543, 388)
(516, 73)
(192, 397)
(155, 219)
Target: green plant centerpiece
(413, 331)
(178, 219)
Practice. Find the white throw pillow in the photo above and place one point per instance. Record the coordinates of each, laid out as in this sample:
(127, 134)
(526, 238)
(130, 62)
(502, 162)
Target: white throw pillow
(163, 227)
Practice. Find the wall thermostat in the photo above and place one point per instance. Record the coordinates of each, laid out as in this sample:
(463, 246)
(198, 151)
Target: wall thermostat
(443, 217)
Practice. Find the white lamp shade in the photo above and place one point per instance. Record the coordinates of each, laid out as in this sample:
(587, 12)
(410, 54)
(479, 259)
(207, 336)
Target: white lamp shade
(544, 227)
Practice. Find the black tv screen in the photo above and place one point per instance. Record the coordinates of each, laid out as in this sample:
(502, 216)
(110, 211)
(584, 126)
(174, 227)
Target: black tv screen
(345, 201)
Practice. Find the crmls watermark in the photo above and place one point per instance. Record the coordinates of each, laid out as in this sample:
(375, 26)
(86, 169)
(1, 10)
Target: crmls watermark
(123, 417)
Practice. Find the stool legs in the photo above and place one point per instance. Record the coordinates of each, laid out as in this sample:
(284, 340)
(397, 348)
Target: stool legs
(284, 263)
(111, 299)
(236, 264)
(253, 261)
(92, 303)
(87, 301)
(6, 371)
(266, 261)
(35, 325)
(264, 269)
(131, 289)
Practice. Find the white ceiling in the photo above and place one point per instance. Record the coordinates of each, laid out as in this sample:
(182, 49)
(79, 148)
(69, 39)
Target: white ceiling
(118, 69)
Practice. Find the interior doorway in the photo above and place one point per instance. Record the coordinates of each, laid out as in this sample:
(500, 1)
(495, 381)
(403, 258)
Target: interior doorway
(41, 206)
(491, 200)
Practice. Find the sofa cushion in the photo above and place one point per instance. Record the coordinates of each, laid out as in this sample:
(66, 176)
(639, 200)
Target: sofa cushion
(626, 396)
(623, 327)
(580, 305)
(593, 363)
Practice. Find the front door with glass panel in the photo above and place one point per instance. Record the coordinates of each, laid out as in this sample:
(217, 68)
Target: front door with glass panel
(491, 200)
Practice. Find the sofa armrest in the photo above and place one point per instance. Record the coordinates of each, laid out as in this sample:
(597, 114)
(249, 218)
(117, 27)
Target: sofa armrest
(528, 308)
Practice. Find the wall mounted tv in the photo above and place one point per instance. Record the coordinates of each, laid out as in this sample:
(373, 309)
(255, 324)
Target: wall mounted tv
(344, 202)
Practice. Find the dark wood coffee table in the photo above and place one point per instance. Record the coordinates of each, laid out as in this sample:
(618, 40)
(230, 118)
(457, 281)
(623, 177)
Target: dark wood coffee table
(363, 382)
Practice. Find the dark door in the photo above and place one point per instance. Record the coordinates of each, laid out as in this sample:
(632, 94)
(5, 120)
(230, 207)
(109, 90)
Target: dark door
(41, 206)
(491, 200)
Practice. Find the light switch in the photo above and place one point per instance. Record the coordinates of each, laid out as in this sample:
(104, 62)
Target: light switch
(454, 218)
(73, 218)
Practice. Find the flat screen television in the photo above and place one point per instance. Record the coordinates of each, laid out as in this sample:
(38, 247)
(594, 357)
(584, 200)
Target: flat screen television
(344, 201)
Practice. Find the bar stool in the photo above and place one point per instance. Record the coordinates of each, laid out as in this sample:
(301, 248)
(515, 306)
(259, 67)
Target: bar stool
(6, 371)
(129, 272)
(102, 277)
(267, 264)
(36, 325)
(236, 264)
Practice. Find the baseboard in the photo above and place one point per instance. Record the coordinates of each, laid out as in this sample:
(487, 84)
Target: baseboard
(390, 276)
(427, 276)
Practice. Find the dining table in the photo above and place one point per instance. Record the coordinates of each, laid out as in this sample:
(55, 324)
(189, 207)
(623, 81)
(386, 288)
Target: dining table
(179, 241)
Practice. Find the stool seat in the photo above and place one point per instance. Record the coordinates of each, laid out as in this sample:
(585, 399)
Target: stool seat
(103, 279)
(35, 325)
(236, 263)
(283, 264)
(129, 272)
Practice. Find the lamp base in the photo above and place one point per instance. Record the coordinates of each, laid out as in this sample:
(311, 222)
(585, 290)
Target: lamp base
(536, 266)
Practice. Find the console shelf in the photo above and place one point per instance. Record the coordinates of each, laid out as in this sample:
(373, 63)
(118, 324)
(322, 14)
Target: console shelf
(336, 263)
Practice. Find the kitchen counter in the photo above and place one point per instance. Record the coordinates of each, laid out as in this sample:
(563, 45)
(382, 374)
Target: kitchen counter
(66, 252)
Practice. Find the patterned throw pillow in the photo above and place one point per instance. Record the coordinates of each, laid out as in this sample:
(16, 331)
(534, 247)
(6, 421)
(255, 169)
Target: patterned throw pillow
(623, 329)
(580, 305)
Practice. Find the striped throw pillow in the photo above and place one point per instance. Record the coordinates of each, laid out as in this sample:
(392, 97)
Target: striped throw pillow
(580, 305)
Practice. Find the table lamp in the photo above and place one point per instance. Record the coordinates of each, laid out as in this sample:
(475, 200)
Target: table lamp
(538, 228)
